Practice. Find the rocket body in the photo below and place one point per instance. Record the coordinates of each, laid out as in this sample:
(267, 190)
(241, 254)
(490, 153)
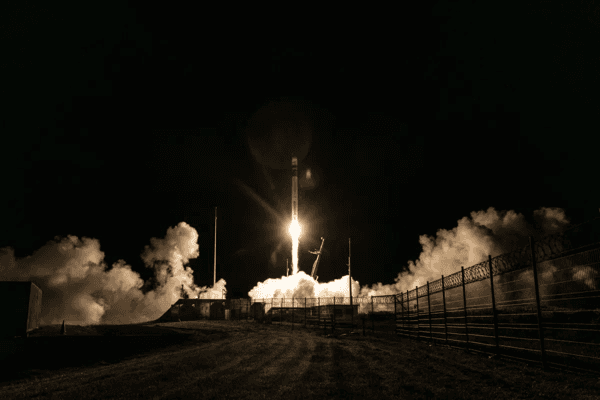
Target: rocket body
(294, 189)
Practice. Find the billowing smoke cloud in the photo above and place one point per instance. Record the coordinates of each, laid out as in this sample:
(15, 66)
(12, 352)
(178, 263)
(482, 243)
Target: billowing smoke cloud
(485, 233)
(302, 285)
(78, 287)
(216, 292)
(470, 242)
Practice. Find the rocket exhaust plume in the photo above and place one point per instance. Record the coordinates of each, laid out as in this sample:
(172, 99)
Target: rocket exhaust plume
(295, 226)
(80, 288)
(302, 285)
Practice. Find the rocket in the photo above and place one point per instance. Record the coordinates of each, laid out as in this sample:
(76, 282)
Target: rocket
(294, 189)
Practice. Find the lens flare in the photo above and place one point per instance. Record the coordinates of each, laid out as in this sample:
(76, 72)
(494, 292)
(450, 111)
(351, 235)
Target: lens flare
(295, 231)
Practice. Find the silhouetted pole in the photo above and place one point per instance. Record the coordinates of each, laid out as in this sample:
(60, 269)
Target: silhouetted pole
(215, 256)
(333, 316)
(350, 283)
(445, 318)
(395, 317)
(372, 316)
(402, 305)
(462, 269)
(429, 307)
(293, 312)
(408, 314)
(495, 313)
(287, 267)
(418, 317)
(319, 309)
(305, 312)
(537, 301)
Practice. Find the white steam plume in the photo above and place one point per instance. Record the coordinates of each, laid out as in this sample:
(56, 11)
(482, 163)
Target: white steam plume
(301, 285)
(470, 242)
(78, 287)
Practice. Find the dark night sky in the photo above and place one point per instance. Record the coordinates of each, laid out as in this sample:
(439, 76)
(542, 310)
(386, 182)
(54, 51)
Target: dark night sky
(124, 120)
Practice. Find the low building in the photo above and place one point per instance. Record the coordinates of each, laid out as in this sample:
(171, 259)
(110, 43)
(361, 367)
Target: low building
(195, 309)
(340, 311)
(21, 306)
(324, 311)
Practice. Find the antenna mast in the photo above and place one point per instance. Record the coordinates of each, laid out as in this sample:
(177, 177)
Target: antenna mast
(215, 258)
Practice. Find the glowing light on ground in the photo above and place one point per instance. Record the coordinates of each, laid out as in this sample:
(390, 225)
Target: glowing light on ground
(295, 231)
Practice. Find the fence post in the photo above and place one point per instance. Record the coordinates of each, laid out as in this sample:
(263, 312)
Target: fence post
(305, 312)
(319, 311)
(372, 320)
(445, 318)
(333, 316)
(325, 324)
(281, 311)
(352, 310)
(418, 317)
(494, 305)
(537, 301)
(293, 312)
(408, 314)
(402, 305)
(395, 317)
(462, 269)
(429, 306)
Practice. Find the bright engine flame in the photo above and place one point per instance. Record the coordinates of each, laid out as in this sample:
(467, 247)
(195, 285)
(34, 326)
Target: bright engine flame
(295, 232)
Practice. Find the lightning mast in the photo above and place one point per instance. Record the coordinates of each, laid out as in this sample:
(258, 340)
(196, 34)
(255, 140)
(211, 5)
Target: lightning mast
(350, 275)
(215, 257)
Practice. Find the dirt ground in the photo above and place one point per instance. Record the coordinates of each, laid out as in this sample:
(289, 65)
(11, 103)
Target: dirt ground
(246, 360)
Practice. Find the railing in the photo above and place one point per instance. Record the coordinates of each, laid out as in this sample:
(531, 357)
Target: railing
(541, 304)
(543, 307)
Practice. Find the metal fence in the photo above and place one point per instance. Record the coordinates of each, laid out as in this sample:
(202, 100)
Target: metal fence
(538, 305)
(328, 313)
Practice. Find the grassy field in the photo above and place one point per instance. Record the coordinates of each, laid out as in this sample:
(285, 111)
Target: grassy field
(239, 359)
